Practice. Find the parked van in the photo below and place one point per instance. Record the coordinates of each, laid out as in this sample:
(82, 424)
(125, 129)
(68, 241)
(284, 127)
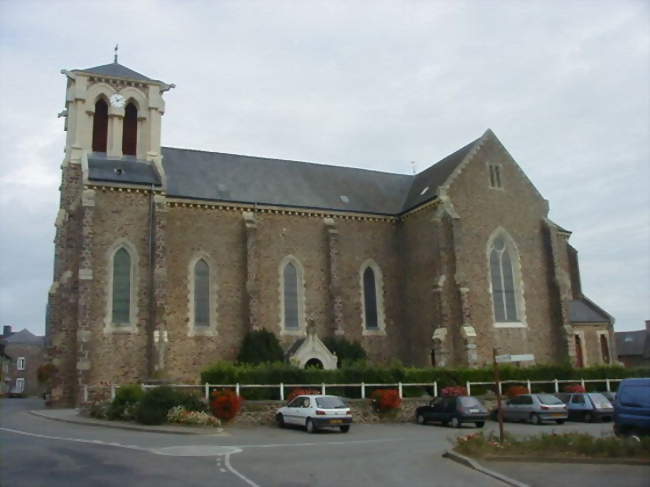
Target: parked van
(632, 407)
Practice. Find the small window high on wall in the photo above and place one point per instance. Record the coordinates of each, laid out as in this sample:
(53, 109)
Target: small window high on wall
(100, 126)
(130, 130)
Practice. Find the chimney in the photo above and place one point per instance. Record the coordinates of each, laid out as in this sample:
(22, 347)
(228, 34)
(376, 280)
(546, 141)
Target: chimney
(6, 329)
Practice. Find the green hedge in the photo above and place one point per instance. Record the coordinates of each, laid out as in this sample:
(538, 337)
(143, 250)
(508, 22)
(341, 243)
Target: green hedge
(352, 373)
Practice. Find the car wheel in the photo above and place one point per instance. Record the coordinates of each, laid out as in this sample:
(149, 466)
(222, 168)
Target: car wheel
(455, 422)
(445, 423)
(480, 424)
(280, 420)
(535, 419)
(345, 428)
(420, 419)
(310, 426)
(559, 421)
(588, 417)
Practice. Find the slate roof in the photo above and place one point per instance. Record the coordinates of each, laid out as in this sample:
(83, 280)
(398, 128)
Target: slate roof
(246, 179)
(117, 70)
(124, 170)
(434, 177)
(584, 311)
(24, 337)
(236, 178)
(632, 343)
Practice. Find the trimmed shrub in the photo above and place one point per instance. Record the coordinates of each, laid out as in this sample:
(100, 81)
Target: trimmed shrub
(385, 400)
(125, 402)
(574, 388)
(357, 372)
(345, 350)
(454, 391)
(154, 405)
(225, 404)
(302, 392)
(260, 346)
(516, 390)
(192, 402)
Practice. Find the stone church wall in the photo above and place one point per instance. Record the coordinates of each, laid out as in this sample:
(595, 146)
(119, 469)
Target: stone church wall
(519, 210)
(119, 356)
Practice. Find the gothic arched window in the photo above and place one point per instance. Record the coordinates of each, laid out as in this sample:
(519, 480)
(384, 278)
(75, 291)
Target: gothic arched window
(201, 293)
(370, 299)
(121, 309)
(130, 130)
(290, 293)
(505, 292)
(100, 126)
(371, 281)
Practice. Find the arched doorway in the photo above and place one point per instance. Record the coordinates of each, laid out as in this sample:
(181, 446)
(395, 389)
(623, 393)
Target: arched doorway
(315, 363)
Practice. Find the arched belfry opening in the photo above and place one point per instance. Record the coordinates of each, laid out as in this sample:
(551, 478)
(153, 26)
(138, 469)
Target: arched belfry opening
(130, 130)
(100, 126)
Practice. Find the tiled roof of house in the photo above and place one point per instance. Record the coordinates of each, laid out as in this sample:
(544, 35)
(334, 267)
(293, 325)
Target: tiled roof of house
(24, 337)
(632, 343)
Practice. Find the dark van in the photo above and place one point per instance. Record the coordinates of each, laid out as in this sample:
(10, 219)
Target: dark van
(632, 407)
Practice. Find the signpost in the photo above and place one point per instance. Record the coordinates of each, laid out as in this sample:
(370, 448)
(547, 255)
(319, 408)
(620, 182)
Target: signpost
(501, 359)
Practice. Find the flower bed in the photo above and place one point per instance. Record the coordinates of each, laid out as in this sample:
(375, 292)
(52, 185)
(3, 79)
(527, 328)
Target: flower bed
(552, 445)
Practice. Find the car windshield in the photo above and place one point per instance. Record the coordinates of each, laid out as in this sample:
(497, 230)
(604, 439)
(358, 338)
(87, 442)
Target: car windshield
(548, 399)
(330, 403)
(600, 401)
(470, 402)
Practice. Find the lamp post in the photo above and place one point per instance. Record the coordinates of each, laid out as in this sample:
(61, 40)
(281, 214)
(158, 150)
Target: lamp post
(497, 380)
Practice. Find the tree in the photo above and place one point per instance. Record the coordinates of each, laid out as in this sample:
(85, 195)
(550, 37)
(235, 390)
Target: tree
(345, 350)
(260, 346)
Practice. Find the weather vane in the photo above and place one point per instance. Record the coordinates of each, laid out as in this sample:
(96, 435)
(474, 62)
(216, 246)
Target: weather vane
(115, 58)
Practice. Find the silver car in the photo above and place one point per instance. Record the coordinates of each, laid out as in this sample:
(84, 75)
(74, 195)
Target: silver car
(535, 408)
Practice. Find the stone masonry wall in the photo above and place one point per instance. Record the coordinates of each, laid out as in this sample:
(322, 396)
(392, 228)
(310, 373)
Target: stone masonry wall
(519, 210)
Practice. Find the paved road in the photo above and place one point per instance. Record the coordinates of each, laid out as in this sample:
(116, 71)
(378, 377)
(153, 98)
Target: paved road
(35, 451)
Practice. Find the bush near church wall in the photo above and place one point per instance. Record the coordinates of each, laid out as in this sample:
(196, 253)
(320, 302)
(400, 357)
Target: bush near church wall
(354, 373)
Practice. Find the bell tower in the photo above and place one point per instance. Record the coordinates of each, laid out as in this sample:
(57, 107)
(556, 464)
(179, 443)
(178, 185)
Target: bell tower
(113, 111)
(112, 123)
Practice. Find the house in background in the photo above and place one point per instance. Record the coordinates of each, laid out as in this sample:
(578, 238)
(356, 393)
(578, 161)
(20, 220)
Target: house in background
(24, 353)
(633, 347)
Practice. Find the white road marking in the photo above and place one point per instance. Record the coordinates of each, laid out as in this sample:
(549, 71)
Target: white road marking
(76, 440)
(235, 472)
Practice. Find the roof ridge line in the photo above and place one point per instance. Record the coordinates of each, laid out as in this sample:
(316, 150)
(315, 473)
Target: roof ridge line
(289, 160)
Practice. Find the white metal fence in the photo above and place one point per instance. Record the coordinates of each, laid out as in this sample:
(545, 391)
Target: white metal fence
(362, 386)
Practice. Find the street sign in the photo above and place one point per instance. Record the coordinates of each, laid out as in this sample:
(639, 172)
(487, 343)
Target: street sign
(526, 357)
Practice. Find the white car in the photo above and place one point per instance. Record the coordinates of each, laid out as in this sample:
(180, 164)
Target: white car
(315, 411)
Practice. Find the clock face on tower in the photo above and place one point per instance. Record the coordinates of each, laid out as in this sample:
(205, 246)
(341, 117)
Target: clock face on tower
(117, 100)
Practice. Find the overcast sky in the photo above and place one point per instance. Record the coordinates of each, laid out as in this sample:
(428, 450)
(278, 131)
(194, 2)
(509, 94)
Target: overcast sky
(371, 84)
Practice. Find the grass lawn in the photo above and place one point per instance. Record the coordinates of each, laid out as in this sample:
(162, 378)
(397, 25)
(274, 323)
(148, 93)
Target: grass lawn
(552, 445)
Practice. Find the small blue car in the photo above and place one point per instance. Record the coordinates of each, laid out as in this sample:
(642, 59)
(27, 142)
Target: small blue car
(632, 408)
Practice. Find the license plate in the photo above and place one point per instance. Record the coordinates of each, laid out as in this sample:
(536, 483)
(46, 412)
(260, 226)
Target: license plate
(473, 410)
(335, 421)
(557, 415)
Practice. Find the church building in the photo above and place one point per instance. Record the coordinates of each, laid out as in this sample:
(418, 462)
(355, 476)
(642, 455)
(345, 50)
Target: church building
(165, 258)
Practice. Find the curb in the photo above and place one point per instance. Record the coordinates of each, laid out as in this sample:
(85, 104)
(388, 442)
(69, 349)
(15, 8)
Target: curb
(570, 460)
(127, 426)
(473, 464)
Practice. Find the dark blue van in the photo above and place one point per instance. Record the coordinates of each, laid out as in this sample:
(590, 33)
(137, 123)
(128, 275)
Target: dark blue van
(632, 407)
